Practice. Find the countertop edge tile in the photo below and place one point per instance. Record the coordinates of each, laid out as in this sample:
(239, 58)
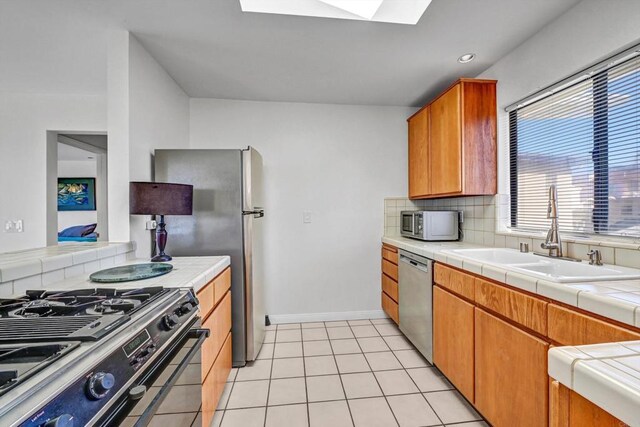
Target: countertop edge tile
(604, 305)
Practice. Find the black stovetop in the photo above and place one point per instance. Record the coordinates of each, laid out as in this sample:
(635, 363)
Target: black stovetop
(84, 314)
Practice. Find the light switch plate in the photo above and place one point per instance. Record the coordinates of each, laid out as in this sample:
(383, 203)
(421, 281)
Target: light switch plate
(13, 226)
(306, 217)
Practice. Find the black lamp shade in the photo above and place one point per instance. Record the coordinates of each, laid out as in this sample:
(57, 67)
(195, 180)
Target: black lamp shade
(160, 198)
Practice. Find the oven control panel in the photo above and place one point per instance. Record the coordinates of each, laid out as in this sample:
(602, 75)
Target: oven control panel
(79, 403)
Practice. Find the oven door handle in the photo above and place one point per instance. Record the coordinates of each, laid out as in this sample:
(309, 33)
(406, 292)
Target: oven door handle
(149, 412)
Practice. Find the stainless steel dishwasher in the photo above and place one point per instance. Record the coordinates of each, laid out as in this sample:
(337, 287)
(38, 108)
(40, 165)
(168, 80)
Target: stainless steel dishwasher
(415, 280)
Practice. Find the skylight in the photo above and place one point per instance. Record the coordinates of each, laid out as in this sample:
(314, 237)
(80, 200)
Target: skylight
(393, 11)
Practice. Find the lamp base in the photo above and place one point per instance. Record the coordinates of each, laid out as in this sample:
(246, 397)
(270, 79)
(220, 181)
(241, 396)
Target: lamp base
(161, 258)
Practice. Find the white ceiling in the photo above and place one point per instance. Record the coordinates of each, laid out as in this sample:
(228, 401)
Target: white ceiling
(68, 152)
(213, 49)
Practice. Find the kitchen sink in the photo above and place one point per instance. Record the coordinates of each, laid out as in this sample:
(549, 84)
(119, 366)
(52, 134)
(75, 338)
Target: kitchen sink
(553, 270)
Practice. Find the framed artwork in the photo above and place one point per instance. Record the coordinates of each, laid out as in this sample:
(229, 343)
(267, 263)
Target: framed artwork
(76, 194)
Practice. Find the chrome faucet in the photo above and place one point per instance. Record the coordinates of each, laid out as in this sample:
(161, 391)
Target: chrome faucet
(553, 242)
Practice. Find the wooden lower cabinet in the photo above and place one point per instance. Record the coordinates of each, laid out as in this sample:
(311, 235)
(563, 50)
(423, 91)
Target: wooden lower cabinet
(389, 296)
(453, 338)
(569, 409)
(511, 382)
(390, 307)
(216, 358)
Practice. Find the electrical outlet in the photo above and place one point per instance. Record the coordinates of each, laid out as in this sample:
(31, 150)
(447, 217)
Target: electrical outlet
(306, 217)
(13, 226)
(151, 225)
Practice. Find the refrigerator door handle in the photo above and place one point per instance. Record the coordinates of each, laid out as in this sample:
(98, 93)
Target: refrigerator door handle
(257, 212)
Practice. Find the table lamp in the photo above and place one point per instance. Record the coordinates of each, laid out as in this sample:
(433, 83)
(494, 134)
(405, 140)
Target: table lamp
(160, 198)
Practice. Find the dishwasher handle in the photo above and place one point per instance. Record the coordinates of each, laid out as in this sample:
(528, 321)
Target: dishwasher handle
(414, 263)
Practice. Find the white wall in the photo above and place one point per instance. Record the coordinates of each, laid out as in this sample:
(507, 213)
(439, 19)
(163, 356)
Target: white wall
(336, 161)
(24, 121)
(76, 169)
(148, 110)
(590, 31)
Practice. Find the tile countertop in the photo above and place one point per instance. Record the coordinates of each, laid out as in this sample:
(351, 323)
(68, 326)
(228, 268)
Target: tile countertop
(606, 374)
(20, 264)
(192, 272)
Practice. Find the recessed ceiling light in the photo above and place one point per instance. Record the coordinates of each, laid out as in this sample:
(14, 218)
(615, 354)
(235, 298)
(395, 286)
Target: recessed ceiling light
(467, 57)
(392, 11)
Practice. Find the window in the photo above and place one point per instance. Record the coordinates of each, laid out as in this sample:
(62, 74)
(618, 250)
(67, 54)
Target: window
(584, 137)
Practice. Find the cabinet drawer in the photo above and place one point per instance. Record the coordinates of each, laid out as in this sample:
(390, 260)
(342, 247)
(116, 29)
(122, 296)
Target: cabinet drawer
(207, 299)
(219, 323)
(213, 385)
(222, 284)
(390, 307)
(529, 311)
(568, 327)
(390, 287)
(390, 255)
(456, 281)
(390, 269)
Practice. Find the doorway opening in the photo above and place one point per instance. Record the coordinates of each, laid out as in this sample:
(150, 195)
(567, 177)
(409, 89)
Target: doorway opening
(76, 187)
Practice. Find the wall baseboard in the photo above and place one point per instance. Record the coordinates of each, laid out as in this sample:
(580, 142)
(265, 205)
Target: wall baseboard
(326, 317)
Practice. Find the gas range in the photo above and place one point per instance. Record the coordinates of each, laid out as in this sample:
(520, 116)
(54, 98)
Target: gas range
(82, 357)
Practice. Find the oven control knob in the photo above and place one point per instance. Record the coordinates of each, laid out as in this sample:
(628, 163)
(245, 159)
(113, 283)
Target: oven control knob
(99, 385)
(64, 420)
(170, 320)
(186, 308)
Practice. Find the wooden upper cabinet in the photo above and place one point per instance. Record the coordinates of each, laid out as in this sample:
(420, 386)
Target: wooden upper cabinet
(419, 165)
(456, 155)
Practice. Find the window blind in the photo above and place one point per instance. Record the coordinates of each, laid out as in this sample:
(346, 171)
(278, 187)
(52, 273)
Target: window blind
(585, 139)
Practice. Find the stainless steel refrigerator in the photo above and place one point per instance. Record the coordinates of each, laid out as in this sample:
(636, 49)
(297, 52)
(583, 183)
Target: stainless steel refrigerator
(227, 219)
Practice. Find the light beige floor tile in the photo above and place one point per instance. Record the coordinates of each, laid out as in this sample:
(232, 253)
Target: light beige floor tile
(373, 344)
(360, 385)
(330, 414)
(339, 333)
(286, 326)
(288, 335)
(412, 410)
(271, 328)
(350, 363)
(288, 368)
(371, 413)
(388, 330)
(471, 424)
(315, 334)
(270, 336)
(266, 352)
(215, 422)
(359, 322)
(317, 348)
(288, 349)
(248, 394)
(320, 365)
(257, 370)
(253, 417)
(395, 382)
(310, 325)
(232, 375)
(287, 416)
(346, 346)
(286, 391)
(364, 331)
(224, 397)
(383, 361)
(429, 379)
(182, 398)
(184, 419)
(398, 342)
(336, 324)
(451, 407)
(386, 321)
(411, 359)
(326, 387)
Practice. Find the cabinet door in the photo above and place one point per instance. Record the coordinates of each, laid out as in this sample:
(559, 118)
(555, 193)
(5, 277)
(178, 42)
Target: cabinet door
(511, 386)
(453, 340)
(446, 143)
(419, 176)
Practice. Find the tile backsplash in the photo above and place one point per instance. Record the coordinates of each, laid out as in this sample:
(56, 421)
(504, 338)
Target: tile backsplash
(485, 219)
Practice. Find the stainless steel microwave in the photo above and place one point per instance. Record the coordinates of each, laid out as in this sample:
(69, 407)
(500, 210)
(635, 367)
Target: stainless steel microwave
(430, 225)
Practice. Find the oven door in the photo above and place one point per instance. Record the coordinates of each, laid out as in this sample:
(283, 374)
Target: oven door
(407, 224)
(176, 372)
